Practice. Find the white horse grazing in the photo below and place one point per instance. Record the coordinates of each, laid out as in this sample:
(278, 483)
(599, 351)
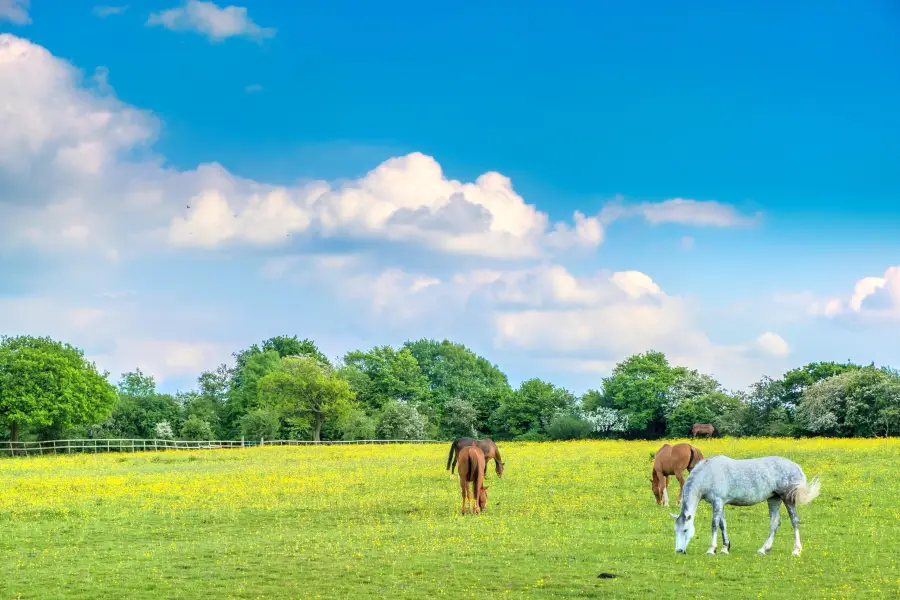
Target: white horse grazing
(721, 480)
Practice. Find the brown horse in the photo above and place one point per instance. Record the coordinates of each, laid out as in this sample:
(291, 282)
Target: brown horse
(704, 429)
(672, 460)
(487, 446)
(472, 469)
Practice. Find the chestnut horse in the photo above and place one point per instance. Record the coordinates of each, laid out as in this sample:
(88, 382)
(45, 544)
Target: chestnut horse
(471, 469)
(487, 446)
(672, 460)
(704, 429)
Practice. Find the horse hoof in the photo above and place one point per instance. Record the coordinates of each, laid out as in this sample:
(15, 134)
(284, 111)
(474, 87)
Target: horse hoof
(711, 551)
(796, 552)
(725, 550)
(762, 551)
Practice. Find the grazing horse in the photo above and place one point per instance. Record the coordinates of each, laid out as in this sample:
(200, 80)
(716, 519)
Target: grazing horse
(704, 429)
(487, 446)
(471, 469)
(672, 460)
(721, 480)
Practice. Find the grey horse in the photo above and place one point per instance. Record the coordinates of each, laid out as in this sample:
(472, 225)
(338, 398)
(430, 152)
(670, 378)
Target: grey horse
(721, 480)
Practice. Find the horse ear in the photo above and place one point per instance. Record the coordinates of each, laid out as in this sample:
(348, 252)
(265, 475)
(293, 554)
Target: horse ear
(673, 515)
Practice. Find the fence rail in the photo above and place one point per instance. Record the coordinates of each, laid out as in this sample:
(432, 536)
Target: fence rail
(135, 445)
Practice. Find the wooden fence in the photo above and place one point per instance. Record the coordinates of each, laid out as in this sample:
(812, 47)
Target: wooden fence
(134, 445)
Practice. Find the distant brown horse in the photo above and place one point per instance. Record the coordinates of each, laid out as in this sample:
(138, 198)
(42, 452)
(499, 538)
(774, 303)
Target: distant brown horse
(471, 469)
(703, 429)
(487, 446)
(672, 460)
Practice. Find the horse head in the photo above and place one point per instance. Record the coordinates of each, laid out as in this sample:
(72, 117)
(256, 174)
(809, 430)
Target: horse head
(482, 497)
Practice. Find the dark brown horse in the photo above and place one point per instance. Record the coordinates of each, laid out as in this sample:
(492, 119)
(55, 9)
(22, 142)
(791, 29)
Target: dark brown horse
(672, 460)
(472, 467)
(704, 429)
(487, 446)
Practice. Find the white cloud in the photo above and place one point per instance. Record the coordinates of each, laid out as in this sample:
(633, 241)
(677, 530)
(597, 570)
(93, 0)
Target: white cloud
(15, 11)
(698, 213)
(873, 299)
(210, 20)
(108, 11)
(773, 344)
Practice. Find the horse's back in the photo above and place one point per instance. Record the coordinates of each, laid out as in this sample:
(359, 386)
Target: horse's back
(747, 481)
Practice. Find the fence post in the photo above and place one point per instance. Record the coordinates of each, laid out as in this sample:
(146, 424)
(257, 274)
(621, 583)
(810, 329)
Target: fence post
(262, 441)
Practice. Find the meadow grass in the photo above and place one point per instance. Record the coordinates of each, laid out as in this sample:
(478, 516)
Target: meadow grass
(382, 521)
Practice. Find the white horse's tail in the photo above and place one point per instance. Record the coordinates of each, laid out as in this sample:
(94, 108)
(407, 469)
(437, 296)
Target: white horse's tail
(804, 493)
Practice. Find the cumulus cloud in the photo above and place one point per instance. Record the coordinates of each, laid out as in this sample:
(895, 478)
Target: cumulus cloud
(873, 298)
(210, 20)
(573, 323)
(15, 11)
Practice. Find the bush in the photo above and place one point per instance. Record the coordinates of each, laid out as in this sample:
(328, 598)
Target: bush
(358, 426)
(195, 428)
(163, 430)
(401, 421)
(260, 424)
(531, 436)
(460, 417)
(568, 427)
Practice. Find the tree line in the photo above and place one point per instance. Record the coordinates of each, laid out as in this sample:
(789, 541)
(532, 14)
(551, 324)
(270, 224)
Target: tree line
(286, 388)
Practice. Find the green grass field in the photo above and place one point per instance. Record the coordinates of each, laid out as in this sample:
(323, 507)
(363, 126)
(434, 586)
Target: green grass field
(382, 521)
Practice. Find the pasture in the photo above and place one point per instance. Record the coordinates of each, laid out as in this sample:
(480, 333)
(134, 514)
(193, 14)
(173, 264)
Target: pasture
(383, 521)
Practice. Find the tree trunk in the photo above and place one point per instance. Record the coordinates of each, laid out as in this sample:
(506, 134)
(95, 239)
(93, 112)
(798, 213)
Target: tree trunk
(14, 432)
(317, 428)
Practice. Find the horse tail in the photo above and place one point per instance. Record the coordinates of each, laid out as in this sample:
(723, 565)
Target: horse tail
(804, 493)
(690, 464)
(452, 448)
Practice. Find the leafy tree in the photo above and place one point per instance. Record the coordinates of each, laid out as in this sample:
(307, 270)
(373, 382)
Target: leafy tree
(531, 408)
(306, 390)
(455, 372)
(383, 374)
(460, 419)
(692, 384)
(606, 421)
(357, 426)
(260, 424)
(243, 394)
(797, 381)
(195, 428)
(568, 427)
(401, 421)
(857, 402)
(765, 412)
(140, 407)
(641, 387)
(710, 407)
(163, 431)
(47, 383)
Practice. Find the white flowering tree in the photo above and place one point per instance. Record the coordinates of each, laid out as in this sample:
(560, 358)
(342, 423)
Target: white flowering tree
(163, 430)
(606, 420)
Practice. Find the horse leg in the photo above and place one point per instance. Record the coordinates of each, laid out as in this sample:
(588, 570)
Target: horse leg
(681, 485)
(774, 522)
(465, 492)
(726, 543)
(795, 522)
(718, 509)
(665, 480)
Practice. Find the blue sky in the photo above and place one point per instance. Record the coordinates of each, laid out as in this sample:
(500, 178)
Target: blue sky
(734, 169)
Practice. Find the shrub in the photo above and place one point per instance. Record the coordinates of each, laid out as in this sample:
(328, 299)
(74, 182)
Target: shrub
(195, 428)
(260, 424)
(401, 421)
(163, 430)
(357, 426)
(532, 436)
(459, 419)
(568, 427)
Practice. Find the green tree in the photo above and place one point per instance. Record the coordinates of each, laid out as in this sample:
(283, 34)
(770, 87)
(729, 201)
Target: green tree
(306, 390)
(565, 426)
(455, 372)
(195, 428)
(460, 419)
(383, 374)
(140, 408)
(711, 407)
(401, 421)
(765, 412)
(641, 388)
(48, 383)
(260, 424)
(243, 393)
(531, 408)
(796, 381)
